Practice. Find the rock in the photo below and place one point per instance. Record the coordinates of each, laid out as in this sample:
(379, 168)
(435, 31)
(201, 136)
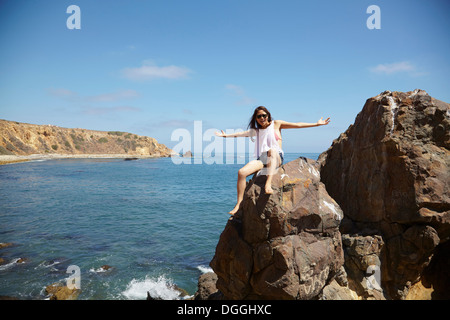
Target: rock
(281, 246)
(362, 264)
(419, 292)
(58, 291)
(8, 298)
(334, 291)
(389, 172)
(181, 293)
(5, 245)
(207, 289)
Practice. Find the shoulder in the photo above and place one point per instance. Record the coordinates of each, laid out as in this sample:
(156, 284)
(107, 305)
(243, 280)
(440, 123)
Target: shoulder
(278, 123)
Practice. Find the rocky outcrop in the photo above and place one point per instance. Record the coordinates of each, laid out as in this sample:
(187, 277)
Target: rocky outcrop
(281, 246)
(26, 139)
(387, 190)
(362, 265)
(389, 172)
(59, 291)
(207, 289)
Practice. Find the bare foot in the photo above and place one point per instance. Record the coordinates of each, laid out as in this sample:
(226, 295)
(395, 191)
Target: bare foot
(236, 208)
(269, 190)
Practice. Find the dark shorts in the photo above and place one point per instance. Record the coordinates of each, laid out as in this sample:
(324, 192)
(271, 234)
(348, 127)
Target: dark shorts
(264, 158)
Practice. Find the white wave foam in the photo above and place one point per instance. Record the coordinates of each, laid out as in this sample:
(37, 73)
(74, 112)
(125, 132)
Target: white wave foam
(160, 288)
(98, 270)
(48, 264)
(10, 265)
(205, 269)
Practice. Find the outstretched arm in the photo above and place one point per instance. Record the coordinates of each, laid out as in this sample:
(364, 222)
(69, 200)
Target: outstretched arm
(234, 135)
(294, 125)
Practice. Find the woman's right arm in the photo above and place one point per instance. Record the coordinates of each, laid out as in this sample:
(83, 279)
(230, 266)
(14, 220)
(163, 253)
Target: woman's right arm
(247, 133)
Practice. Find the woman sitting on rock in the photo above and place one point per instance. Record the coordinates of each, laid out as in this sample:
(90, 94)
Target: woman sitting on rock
(268, 149)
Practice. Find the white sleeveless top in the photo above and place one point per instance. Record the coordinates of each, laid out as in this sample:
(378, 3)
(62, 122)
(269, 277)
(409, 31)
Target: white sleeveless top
(265, 140)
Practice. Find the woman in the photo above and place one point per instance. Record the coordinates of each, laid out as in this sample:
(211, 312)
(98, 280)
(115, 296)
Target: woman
(268, 148)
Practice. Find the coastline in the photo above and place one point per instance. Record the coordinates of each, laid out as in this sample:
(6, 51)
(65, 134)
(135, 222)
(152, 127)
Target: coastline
(10, 159)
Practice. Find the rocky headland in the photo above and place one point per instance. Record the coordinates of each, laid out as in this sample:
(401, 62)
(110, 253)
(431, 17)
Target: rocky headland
(23, 141)
(370, 219)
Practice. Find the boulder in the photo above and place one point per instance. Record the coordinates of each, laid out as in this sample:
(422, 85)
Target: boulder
(389, 172)
(362, 265)
(281, 246)
(57, 291)
(207, 289)
(5, 245)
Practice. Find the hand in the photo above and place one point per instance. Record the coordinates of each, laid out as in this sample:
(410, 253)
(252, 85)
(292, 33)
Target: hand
(322, 122)
(220, 134)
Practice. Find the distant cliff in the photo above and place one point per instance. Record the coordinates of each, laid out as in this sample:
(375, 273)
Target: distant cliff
(25, 139)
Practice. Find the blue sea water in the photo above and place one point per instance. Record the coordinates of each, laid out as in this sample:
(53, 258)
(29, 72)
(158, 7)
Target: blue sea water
(154, 222)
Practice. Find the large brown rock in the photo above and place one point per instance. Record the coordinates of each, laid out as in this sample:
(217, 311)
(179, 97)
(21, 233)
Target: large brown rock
(389, 172)
(281, 246)
(57, 291)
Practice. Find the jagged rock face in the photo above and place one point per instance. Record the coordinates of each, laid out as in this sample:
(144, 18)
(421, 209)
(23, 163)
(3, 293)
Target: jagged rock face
(25, 139)
(283, 246)
(389, 172)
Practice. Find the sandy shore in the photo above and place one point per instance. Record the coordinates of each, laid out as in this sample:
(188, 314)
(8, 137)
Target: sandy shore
(8, 159)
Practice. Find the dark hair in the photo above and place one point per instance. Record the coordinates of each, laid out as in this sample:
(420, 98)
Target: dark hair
(253, 124)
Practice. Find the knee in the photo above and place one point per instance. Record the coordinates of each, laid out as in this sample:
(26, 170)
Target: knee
(242, 173)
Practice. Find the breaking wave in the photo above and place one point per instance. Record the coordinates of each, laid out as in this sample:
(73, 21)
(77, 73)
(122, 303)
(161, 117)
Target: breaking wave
(161, 288)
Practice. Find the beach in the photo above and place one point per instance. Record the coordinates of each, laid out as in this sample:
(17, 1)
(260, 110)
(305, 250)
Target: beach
(9, 159)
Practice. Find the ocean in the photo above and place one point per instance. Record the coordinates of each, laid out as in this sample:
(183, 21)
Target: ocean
(156, 224)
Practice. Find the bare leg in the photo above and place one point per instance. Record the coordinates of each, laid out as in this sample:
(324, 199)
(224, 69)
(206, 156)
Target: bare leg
(243, 173)
(273, 161)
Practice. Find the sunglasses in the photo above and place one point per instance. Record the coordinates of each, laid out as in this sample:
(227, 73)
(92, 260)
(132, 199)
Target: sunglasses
(259, 116)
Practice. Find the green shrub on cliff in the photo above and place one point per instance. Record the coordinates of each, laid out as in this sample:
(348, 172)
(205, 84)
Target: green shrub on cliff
(115, 133)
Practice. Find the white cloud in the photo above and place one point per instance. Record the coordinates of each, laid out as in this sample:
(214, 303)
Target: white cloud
(240, 93)
(108, 110)
(390, 68)
(149, 71)
(61, 93)
(96, 101)
(114, 96)
(70, 95)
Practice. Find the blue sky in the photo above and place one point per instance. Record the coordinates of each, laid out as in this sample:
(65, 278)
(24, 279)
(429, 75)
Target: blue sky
(150, 67)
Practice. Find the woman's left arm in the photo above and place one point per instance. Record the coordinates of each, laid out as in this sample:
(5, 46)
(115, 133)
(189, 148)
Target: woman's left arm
(295, 125)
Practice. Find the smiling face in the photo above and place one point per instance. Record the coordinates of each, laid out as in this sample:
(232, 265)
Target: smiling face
(262, 118)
